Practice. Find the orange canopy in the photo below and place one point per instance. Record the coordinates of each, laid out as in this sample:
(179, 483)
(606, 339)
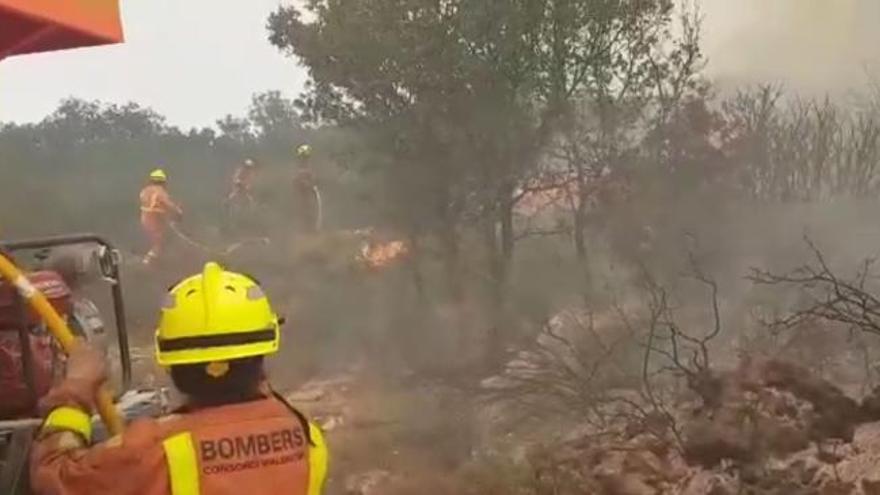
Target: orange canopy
(29, 26)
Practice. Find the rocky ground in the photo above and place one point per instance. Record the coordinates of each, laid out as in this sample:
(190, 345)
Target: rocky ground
(764, 426)
(769, 427)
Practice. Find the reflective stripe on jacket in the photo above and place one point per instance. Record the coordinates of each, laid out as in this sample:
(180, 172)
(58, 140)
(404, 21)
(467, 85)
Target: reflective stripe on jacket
(155, 199)
(256, 448)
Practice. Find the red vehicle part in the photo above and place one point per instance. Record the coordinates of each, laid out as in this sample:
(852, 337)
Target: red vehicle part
(49, 283)
(18, 399)
(31, 26)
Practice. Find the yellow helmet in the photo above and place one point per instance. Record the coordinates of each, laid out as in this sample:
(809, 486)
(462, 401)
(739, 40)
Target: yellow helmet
(304, 151)
(215, 316)
(158, 175)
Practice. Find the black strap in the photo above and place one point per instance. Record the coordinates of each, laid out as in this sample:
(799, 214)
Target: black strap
(223, 340)
(300, 416)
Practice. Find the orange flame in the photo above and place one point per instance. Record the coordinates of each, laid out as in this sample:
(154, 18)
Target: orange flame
(377, 255)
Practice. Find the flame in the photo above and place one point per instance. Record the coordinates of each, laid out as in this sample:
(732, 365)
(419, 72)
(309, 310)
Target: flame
(541, 195)
(551, 198)
(379, 255)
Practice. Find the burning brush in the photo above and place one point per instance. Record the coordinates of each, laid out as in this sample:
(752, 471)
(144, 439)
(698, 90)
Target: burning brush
(377, 255)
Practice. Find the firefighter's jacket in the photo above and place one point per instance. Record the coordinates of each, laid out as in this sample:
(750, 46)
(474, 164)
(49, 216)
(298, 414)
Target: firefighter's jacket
(242, 180)
(254, 448)
(155, 201)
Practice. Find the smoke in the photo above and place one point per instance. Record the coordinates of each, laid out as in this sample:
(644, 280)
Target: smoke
(811, 46)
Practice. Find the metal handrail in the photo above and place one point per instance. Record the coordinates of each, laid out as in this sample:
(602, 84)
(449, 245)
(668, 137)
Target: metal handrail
(114, 277)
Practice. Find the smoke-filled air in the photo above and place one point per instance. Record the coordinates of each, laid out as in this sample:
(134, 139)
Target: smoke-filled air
(512, 247)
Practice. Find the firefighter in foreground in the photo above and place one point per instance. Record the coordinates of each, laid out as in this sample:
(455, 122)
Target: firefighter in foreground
(234, 435)
(157, 209)
(306, 196)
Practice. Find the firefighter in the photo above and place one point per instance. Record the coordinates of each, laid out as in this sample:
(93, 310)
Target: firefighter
(233, 435)
(306, 197)
(240, 203)
(157, 208)
(242, 182)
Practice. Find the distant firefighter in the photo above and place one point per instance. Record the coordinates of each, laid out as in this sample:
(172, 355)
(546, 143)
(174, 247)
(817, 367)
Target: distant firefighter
(306, 195)
(157, 209)
(242, 182)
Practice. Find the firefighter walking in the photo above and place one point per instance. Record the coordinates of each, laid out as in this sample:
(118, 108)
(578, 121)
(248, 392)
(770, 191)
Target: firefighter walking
(157, 210)
(234, 435)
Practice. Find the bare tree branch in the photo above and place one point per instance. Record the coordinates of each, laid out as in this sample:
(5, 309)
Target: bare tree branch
(829, 297)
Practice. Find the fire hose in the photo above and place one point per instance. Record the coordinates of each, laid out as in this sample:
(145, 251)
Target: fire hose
(59, 329)
(189, 240)
(207, 249)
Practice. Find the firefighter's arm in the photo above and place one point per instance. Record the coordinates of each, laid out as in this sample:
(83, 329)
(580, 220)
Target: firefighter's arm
(62, 462)
(170, 204)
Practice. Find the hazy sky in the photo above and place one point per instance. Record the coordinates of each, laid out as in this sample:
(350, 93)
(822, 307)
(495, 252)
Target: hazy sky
(197, 60)
(192, 60)
(810, 45)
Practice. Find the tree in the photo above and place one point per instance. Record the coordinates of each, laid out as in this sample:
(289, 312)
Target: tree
(464, 95)
(132, 121)
(442, 87)
(237, 130)
(393, 69)
(618, 70)
(77, 121)
(274, 118)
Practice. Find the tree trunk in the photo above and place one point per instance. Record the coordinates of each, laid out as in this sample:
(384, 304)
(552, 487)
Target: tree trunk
(495, 261)
(452, 261)
(499, 246)
(580, 235)
(462, 329)
(505, 215)
(580, 226)
(415, 266)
